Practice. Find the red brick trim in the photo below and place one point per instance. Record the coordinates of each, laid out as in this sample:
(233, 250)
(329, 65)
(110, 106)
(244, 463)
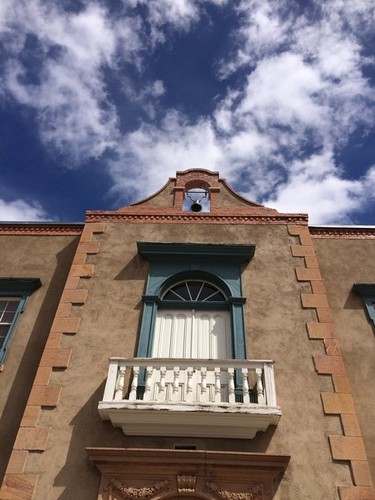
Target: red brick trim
(356, 493)
(18, 486)
(350, 233)
(235, 217)
(42, 229)
(347, 447)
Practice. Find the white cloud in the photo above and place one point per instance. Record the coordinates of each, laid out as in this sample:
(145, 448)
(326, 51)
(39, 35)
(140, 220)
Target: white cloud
(70, 97)
(180, 13)
(148, 156)
(19, 210)
(276, 138)
(314, 186)
(75, 112)
(303, 94)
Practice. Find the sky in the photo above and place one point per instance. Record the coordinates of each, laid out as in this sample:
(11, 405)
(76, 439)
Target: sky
(101, 101)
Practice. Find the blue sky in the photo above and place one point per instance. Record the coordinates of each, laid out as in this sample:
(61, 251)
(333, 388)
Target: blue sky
(102, 101)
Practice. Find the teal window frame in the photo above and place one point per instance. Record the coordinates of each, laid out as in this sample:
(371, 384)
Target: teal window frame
(367, 291)
(173, 262)
(18, 288)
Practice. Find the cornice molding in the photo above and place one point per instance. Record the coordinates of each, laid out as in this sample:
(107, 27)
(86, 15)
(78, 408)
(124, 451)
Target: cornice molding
(36, 229)
(350, 233)
(189, 218)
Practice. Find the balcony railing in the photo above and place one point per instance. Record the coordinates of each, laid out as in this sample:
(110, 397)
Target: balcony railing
(187, 397)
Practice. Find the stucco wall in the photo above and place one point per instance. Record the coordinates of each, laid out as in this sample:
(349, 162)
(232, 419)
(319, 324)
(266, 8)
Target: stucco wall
(163, 198)
(228, 198)
(344, 262)
(275, 326)
(48, 258)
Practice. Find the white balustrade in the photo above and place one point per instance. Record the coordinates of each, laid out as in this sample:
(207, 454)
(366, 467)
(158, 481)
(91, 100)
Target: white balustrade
(245, 383)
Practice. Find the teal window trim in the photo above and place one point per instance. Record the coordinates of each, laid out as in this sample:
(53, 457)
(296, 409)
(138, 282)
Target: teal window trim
(367, 291)
(173, 262)
(16, 288)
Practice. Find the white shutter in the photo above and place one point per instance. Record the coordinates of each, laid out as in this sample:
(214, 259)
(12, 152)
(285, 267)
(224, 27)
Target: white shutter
(193, 334)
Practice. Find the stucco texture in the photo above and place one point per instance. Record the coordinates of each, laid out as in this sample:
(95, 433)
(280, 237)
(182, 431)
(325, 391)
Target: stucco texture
(344, 262)
(275, 327)
(24, 256)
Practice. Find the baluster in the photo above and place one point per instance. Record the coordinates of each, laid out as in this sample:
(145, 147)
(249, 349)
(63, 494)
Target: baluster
(134, 386)
(269, 385)
(147, 394)
(260, 393)
(217, 385)
(163, 373)
(204, 394)
(176, 384)
(189, 385)
(231, 386)
(245, 385)
(120, 384)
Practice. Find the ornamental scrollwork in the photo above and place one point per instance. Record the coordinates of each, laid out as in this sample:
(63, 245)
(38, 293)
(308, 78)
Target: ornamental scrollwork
(255, 493)
(130, 493)
(186, 484)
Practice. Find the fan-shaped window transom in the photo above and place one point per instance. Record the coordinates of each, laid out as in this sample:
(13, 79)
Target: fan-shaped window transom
(194, 290)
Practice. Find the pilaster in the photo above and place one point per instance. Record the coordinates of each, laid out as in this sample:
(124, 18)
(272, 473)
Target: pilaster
(348, 446)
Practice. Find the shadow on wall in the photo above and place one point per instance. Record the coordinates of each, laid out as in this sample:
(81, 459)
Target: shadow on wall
(136, 269)
(78, 476)
(19, 393)
(354, 302)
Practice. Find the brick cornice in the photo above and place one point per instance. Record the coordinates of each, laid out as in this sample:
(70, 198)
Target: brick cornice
(31, 229)
(219, 217)
(350, 233)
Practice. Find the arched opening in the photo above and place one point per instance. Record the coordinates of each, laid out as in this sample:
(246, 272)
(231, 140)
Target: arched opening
(193, 321)
(196, 200)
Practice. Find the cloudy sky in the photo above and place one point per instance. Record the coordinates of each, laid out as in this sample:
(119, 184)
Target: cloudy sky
(103, 100)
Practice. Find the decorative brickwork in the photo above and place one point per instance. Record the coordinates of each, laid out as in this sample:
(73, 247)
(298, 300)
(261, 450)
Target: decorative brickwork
(347, 447)
(350, 233)
(17, 483)
(232, 216)
(41, 229)
(239, 211)
(18, 486)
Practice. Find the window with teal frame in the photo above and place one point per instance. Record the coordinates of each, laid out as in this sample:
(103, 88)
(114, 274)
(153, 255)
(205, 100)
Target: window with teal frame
(13, 296)
(189, 265)
(367, 290)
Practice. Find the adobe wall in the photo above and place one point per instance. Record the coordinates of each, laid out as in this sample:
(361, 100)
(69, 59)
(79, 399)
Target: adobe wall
(109, 325)
(48, 258)
(344, 262)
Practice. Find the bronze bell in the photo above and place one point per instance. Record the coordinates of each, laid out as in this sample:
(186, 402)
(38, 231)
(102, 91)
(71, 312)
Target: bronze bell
(196, 206)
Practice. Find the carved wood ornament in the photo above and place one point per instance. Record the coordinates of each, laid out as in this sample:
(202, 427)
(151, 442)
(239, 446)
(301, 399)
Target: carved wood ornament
(186, 486)
(129, 493)
(161, 474)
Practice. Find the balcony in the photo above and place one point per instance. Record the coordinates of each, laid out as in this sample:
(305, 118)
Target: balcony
(189, 397)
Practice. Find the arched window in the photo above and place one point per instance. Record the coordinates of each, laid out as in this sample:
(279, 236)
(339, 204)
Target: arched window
(192, 321)
(193, 292)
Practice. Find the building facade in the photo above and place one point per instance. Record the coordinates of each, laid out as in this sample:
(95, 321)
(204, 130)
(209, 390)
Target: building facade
(159, 351)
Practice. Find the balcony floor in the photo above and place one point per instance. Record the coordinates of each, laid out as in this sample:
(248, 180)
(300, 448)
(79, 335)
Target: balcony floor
(189, 419)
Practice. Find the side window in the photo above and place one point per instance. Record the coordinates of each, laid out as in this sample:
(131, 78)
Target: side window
(367, 291)
(13, 296)
(10, 309)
